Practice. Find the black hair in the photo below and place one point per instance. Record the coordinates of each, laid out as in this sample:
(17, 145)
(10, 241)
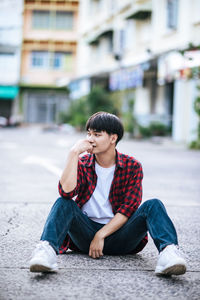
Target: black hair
(103, 121)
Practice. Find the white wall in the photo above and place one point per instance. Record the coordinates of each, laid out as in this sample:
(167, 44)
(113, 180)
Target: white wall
(160, 101)
(142, 105)
(11, 22)
(185, 119)
(10, 40)
(9, 68)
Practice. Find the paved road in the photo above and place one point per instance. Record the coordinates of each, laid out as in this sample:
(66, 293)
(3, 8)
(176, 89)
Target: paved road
(31, 161)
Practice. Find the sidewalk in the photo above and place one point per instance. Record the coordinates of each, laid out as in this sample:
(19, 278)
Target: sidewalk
(30, 164)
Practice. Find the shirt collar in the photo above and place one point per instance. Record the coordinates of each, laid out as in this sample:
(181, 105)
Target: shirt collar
(91, 160)
(119, 160)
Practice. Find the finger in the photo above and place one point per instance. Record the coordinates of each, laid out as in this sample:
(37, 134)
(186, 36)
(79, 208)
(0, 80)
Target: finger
(90, 151)
(91, 253)
(89, 146)
(97, 254)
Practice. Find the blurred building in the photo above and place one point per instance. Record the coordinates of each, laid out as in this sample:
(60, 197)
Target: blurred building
(48, 57)
(10, 47)
(146, 50)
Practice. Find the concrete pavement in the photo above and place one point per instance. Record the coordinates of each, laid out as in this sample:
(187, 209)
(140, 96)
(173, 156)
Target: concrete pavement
(31, 161)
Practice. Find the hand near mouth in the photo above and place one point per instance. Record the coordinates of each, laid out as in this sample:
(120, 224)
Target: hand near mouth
(82, 146)
(91, 150)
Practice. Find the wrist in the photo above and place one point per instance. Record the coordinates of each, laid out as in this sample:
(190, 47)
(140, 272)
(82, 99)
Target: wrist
(100, 234)
(74, 151)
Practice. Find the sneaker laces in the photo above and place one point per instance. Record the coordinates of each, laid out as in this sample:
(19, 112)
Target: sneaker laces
(181, 252)
(177, 251)
(40, 247)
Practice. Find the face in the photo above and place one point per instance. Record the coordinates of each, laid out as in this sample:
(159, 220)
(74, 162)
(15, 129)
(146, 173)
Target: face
(101, 140)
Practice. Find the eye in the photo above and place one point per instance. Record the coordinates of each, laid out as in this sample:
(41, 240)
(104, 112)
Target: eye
(97, 134)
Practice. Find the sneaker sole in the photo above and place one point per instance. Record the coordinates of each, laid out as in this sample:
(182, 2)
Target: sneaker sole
(40, 268)
(177, 269)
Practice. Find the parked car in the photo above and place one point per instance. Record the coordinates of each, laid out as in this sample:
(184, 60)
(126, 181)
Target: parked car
(3, 121)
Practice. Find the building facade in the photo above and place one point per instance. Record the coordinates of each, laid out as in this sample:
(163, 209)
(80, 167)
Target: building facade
(10, 48)
(48, 58)
(143, 50)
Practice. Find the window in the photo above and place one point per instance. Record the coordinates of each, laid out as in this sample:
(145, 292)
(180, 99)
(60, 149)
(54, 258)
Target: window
(58, 20)
(41, 19)
(40, 59)
(62, 61)
(57, 61)
(64, 20)
(172, 12)
(52, 60)
(119, 43)
(129, 34)
(110, 44)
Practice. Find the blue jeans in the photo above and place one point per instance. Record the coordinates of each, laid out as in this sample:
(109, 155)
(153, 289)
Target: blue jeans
(67, 218)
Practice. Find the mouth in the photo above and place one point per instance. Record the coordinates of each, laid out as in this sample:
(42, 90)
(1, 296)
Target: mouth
(93, 149)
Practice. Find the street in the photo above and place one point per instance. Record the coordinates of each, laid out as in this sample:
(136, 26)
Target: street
(31, 161)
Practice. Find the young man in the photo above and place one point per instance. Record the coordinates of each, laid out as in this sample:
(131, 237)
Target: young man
(105, 217)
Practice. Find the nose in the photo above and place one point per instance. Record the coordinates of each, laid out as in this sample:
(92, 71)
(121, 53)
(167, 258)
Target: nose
(90, 138)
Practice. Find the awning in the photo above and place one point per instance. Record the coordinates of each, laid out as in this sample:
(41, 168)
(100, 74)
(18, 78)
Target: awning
(103, 33)
(140, 11)
(9, 92)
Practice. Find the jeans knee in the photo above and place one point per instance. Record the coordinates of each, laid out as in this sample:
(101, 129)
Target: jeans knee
(154, 202)
(64, 203)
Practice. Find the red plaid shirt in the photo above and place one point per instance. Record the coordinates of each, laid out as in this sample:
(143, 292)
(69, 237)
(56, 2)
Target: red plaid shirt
(125, 193)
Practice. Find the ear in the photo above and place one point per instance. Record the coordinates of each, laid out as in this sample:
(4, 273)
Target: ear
(114, 138)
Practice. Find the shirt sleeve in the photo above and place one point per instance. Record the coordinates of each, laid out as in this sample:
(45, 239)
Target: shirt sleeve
(133, 193)
(76, 190)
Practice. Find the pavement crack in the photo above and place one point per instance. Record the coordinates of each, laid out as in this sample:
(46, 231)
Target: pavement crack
(11, 222)
(95, 269)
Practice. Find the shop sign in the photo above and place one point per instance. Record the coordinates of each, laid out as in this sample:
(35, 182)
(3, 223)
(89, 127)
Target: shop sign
(126, 79)
(9, 92)
(174, 65)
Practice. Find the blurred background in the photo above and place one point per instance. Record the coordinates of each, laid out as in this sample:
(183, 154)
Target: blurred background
(61, 61)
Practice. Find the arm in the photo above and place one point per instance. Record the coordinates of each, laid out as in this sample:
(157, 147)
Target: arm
(96, 246)
(68, 179)
(133, 193)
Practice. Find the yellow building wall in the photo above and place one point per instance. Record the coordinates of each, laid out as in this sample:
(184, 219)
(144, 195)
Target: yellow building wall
(47, 40)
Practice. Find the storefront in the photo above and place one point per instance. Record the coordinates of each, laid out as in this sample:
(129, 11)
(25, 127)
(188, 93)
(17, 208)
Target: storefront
(8, 94)
(43, 105)
(178, 80)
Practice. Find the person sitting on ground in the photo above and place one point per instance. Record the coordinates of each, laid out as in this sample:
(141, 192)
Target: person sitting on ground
(99, 211)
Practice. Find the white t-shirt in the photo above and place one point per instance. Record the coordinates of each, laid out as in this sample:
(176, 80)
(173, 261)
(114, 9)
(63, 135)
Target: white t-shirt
(98, 207)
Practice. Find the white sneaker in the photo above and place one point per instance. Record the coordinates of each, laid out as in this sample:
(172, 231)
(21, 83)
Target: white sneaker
(44, 258)
(170, 262)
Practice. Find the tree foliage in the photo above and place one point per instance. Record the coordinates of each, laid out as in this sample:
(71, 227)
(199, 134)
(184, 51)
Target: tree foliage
(80, 110)
(100, 100)
(196, 144)
(128, 118)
